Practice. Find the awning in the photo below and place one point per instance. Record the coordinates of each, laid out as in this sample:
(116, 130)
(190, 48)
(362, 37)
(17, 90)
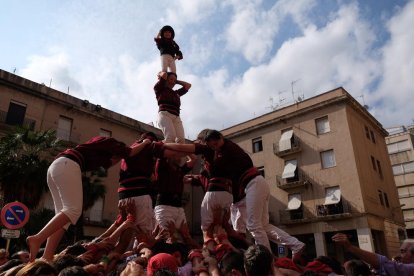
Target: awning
(333, 195)
(290, 168)
(295, 201)
(285, 140)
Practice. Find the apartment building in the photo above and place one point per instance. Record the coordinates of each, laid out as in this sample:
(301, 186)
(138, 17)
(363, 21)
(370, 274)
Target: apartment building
(326, 162)
(401, 152)
(34, 105)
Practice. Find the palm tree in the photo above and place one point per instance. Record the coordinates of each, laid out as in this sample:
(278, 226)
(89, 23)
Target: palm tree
(24, 159)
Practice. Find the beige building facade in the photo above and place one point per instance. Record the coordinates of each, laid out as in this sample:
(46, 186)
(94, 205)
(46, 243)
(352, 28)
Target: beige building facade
(401, 152)
(326, 162)
(34, 105)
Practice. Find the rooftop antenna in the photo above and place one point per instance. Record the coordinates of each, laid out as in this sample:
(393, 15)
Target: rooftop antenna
(68, 90)
(363, 101)
(14, 70)
(272, 106)
(281, 99)
(293, 93)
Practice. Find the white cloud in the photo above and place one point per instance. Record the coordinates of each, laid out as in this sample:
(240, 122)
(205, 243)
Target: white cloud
(183, 12)
(113, 61)
(252, 30)
(395, 92)
(52, 70)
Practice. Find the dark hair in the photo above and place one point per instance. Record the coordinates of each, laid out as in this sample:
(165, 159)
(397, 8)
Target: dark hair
(148, 135)
(67, 260)
(356, 268)
(37, 268)
(167, 28)
(213, 135)
(231, 260)
(73, 270)
(258, 260)
(76, 249)
(9, 264)
(182, 248)
(171, 73)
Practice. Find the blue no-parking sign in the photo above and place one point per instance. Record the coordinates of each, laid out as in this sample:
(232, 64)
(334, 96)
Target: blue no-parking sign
(14, 215)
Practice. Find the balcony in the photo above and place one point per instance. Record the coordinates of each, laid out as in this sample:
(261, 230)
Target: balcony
(295, 147)
(334, 211)
(301, 179)
(322, 212)
(27, 123)
(300, 215)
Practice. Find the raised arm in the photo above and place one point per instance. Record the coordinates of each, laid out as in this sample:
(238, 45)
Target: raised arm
(366, 256)
(137, 148)
(184, 84)
(162, 75)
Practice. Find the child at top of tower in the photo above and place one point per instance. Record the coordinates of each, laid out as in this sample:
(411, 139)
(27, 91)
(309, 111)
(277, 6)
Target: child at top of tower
(169, 50)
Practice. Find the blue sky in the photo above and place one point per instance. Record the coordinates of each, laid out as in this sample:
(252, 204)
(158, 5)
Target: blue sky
(241, 56)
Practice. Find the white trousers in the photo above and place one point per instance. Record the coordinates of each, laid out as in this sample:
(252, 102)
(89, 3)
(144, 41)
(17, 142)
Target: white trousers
(211, 200)
(144, 214)
(64, 179)
(256, 205)
(171, 126)
(167, 61)
(164, 214)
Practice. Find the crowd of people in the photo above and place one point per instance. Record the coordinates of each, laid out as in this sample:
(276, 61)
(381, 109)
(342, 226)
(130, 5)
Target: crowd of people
(150, 235)
(163, 255)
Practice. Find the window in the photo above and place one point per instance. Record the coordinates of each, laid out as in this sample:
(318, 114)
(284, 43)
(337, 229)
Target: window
(105, 133)
(295, 206)
(286, 139)
(332, 195)
(367, 132)
(290, 171)
(261, 171)
(257, 144)
(381, 197)
(322, 125)
(328, 159)
(387, 204)
(406, 191)
(408, 214)
(397, 169)
(333, 202)
(374, 166)
(64, 128)
(379, 168)
(403, 168)
(16, 113)
(294, 201)
(372, 136)
(399, 146)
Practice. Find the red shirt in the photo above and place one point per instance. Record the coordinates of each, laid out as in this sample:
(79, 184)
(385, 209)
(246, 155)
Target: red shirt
(230, 162)
(97, 152)
(167, 98)
(136, 171)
